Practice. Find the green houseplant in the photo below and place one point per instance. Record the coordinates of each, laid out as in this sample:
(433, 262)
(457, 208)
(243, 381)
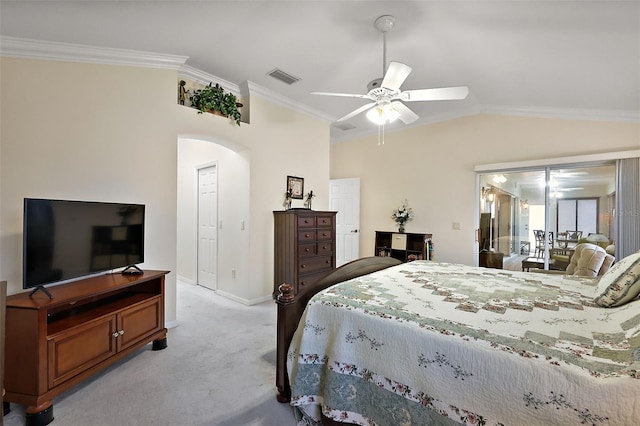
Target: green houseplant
(215, 98)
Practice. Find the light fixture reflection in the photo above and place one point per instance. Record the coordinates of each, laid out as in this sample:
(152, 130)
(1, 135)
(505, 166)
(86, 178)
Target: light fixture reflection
(488, 194)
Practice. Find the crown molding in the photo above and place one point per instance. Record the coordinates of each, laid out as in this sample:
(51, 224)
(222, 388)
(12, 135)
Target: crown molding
(338, 135)
(55, 51)
(249, 88)
(48, 50)
(563, 113)
(270, 95)
(198, 76)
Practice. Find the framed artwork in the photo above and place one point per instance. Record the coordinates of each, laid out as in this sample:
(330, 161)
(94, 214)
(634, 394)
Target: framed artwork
(296, 186)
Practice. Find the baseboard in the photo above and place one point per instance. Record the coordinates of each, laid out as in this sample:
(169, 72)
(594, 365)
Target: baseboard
(185, 280)
(244, 301)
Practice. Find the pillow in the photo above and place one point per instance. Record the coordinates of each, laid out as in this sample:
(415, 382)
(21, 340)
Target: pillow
(621, 283)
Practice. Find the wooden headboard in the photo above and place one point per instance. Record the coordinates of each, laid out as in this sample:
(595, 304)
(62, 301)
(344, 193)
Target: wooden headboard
(291, 308)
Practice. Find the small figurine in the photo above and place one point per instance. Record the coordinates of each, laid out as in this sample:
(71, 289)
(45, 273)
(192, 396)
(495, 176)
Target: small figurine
(182, 92)
(307, 202)
(288, 196)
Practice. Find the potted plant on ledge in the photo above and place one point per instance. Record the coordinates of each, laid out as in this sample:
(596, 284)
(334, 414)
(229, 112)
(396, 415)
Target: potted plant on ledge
(215, 99)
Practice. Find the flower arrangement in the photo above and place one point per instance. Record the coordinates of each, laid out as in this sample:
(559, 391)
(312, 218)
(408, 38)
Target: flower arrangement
(402, 215)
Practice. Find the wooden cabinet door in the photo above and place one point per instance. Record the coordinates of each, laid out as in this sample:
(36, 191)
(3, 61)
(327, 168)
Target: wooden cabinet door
(139, 321)
(79, 348)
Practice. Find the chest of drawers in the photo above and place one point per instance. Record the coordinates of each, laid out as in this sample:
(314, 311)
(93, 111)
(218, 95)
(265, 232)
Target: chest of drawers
(304, 247)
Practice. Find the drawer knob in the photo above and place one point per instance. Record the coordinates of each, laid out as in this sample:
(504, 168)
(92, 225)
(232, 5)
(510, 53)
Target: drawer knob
(302, 266)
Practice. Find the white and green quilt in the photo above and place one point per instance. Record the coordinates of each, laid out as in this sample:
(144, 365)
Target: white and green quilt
(426, 343)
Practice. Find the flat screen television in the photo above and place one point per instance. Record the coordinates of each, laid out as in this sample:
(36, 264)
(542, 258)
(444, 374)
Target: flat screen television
(65, 240)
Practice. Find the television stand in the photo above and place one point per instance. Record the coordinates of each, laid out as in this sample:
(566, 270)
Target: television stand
(132, 270)
(41, 287)
(54, 344)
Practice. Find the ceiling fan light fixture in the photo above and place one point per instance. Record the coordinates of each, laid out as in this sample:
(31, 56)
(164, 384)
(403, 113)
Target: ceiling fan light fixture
(382, 114)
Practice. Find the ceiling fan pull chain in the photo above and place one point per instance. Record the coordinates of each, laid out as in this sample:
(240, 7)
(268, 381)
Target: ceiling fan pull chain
(381, 134)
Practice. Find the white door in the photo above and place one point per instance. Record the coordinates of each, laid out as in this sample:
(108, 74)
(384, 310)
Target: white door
(344, 197)
(208, 227)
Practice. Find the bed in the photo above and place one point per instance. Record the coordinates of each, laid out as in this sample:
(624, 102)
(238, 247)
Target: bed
(378, 342)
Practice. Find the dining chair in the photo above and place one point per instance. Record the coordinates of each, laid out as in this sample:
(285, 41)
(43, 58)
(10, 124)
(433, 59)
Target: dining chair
(540, 241)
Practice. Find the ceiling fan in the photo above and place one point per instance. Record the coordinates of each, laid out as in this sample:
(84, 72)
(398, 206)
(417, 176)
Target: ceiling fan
(385, 92)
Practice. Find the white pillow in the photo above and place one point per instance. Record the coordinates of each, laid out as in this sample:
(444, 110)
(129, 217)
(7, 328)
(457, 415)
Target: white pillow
(621, 283)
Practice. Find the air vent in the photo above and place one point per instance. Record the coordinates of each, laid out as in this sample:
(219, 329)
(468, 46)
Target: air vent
(278, 74)
(345, 126)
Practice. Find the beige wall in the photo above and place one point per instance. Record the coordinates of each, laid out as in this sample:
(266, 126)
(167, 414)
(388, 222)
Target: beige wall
(433, 167)
(110, 133)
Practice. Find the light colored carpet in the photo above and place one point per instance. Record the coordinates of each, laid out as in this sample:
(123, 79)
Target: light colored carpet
(218, 369)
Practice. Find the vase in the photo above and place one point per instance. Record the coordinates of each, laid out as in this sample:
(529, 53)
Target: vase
(401, 227)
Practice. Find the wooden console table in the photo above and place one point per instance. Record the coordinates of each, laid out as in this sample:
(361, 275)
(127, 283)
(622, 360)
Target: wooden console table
(54, 344)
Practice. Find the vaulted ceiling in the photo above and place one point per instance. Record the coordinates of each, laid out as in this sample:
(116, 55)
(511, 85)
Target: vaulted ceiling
(578, 59)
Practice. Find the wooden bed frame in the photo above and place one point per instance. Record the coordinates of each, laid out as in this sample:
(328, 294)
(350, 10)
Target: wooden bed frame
(291, 308)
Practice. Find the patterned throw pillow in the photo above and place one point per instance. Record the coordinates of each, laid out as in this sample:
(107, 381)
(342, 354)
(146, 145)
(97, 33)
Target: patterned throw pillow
(621, 283)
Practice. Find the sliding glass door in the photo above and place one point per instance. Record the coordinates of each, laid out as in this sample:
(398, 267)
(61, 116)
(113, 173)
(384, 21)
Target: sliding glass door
(534, 218)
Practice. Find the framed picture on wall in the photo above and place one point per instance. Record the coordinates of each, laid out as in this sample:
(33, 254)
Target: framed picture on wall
(295, 185)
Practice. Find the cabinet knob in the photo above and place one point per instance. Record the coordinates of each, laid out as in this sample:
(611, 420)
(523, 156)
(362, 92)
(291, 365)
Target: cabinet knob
(302, 266)
(121, 332)
(115, 334)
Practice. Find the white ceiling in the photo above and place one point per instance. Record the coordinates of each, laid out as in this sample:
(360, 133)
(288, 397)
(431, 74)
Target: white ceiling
(561, 58)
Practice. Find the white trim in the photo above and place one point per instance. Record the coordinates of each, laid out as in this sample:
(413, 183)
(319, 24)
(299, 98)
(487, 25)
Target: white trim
(171, 324)
(54, 51)
(563, 113)
(279, 99)
(190, 73)
(588, 158)
(372, 129)
(247, 302)
(185, 280)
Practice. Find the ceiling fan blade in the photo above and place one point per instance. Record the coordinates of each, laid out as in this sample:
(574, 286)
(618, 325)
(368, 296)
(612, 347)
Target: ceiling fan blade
(348, 95)
(406, 115)
(441, 94)
(396, 74)
(357, 111)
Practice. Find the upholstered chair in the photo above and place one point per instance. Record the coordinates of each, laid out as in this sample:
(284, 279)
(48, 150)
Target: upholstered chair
(589, 260)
